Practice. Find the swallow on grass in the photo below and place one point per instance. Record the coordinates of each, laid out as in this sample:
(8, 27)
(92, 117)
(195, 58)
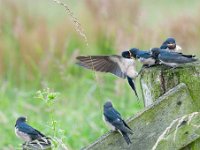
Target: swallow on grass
(120, 66)
(114, 120)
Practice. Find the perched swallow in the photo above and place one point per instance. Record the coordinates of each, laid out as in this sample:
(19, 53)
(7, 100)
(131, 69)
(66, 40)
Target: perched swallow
(143, 56)
(170, 44)
(172, 59)
(120, 66)
(146, 58)
(28, 133)
(113, 119)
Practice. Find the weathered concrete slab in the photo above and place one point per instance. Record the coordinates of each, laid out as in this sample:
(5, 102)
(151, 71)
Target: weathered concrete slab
(149, 124)
(180, 133)
(39, 144)
(156, 81)
(193, 146)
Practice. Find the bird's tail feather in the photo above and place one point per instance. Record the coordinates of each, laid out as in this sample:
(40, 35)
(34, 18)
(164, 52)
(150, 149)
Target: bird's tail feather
(192, 57)
(126, 137)
(188, 56)
(131, 83)
(129, 131)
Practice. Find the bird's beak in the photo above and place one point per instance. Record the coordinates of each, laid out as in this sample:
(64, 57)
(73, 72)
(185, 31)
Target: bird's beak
(171, 45)
(178, 48)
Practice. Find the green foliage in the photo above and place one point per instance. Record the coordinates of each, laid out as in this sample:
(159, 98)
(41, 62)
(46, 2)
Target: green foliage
(50, 98)
(47, 96)
(38, 46)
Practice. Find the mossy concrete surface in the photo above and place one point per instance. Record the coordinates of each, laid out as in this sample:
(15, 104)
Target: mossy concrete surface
(156, 81)
(39, 144)
(180, 133)
(193, 146)
(149, 124)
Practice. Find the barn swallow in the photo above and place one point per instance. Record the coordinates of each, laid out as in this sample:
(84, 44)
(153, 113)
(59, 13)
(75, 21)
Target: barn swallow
(113, 119)
(120, 66)
(28, 133)
(143, 56)
(170, 44)
(172, 59)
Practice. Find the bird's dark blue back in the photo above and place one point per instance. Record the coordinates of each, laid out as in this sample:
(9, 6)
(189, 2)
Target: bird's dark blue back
(25, 128)
(111, 114)
(175, 57)
(144, 54)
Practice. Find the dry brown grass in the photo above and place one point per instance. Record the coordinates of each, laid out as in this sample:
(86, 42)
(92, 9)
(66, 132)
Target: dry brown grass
(35, 54)
(187, 30)
(30, 44)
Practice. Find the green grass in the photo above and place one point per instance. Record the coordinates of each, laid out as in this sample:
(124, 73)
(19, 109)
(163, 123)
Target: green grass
(38, 46)
(78, 110)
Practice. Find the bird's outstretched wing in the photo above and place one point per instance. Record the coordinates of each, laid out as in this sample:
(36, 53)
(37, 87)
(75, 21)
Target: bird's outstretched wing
(114, 64)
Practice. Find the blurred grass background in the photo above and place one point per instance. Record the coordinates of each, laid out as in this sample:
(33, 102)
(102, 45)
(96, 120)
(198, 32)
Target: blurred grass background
(38, 46)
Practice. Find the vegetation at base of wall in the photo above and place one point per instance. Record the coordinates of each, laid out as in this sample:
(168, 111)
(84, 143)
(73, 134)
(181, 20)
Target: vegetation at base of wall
(38, 46)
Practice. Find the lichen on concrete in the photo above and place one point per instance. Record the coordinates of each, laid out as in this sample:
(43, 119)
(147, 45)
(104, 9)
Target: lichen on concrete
(168, 94)
(161, 79)
(181, 132)
(149, 124)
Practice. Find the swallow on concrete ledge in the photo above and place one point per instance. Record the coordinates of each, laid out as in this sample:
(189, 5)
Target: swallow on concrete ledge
(170, 44)
(28, 133)
(143, 56)
(113, 119)
(172, 59)
(120, 66)
(146, 58)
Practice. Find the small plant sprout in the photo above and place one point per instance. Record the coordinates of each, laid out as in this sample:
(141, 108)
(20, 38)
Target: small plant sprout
(47, 96)
(50, 98)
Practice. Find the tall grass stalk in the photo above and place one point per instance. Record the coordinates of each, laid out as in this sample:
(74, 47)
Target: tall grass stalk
(77, 24)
